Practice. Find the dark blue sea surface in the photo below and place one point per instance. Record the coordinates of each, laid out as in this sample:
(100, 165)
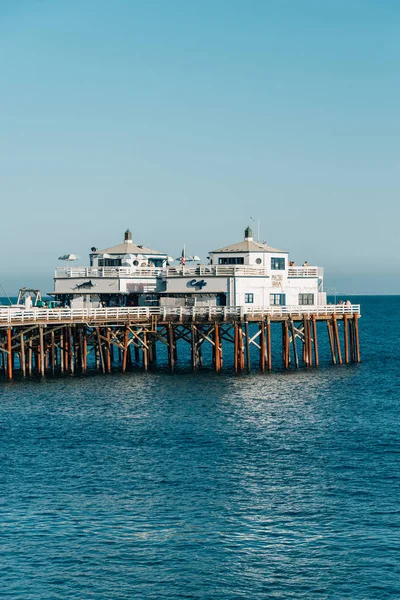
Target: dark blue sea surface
(207, 486)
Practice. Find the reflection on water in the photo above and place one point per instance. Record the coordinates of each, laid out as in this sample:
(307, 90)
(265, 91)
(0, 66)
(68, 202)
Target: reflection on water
(204, 485)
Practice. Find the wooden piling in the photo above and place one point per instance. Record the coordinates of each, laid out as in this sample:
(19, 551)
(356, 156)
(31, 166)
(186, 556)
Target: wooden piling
(310, 342)
(306, 356)
(126, 349)
(9, 354)
(235, 348)
(66, 350)
(218, 348)
(248, 358)
(53, 352)
(331, 342)
(286, 344)
(108, 349)
(84, 350)
(145, 351)
(240, 347)
(294, 345)
(100, 350)
(71, 346)
(356, 339)
(61, 351)
(171, 348)
(263, 347)
(30, 357)
(136, 349)
(193, 343)
(337, 338)
(22, 354)
(269, 344)
(346, 338)
(41, 352)
(315, 336)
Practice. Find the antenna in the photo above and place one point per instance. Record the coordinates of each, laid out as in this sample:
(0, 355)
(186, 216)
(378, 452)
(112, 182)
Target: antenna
(258, 228)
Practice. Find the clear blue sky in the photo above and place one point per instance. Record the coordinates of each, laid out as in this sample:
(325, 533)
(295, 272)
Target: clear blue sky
(181, 118)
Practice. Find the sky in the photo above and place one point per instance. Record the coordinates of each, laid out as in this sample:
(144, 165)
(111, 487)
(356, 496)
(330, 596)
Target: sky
(181, 119)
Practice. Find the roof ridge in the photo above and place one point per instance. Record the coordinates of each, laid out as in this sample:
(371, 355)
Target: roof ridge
(247, 246)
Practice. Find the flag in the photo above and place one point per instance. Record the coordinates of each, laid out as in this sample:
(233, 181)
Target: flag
(183, 257)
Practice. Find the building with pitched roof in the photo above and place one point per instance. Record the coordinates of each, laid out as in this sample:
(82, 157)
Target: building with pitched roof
(247, 272)
(121, 275)
(241, 274)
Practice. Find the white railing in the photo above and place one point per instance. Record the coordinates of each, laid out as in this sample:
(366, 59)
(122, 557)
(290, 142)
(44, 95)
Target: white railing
(215, 271)
(200, 270)
(182, 271)
(72, 272)
(90, 315)
(305, 272)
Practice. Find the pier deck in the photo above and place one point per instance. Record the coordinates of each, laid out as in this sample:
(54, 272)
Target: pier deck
(40, 341)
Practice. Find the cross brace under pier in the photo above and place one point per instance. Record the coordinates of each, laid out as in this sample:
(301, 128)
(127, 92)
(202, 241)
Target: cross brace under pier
(39, 349)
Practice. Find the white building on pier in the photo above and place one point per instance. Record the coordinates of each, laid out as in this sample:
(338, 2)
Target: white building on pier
(247, 273)
(122, 275)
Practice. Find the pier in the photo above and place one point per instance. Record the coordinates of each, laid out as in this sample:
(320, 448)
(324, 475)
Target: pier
(73, 340)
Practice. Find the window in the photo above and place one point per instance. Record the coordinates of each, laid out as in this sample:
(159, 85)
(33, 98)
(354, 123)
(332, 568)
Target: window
(109, 262)
(277, 299)
(306, 299)
(258, 261)
(156, 262)
(278, 264)
(234, 260)
(249, 298)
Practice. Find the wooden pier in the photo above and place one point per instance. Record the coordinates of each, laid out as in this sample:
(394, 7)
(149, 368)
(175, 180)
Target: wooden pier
(50, 341)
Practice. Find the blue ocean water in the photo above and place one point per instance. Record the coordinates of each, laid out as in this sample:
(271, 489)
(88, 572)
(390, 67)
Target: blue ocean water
(207, 486)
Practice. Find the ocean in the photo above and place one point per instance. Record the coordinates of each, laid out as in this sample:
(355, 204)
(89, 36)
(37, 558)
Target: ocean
(207, 486)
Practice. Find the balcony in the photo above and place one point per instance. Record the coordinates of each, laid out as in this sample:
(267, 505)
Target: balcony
(94, 272)
(138, 272)
(305, 272)
(182, 271)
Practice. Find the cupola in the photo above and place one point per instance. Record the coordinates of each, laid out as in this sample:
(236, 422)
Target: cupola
(128, 237)
(248, 234)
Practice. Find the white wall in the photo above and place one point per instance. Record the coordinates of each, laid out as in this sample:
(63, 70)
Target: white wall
(106, 285)
(101, 285)
(262, 287)
(181, 285)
